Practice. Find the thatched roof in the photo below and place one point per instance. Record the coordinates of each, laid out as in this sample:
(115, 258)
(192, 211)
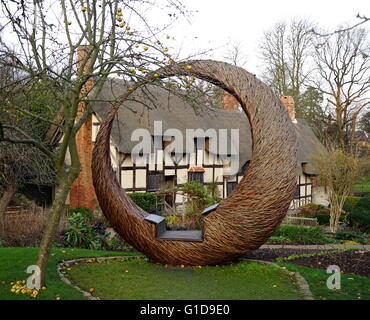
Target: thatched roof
(175, 112)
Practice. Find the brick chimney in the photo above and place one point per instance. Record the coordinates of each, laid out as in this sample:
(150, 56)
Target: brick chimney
(82, 191)
(230, 103)
(288, 102)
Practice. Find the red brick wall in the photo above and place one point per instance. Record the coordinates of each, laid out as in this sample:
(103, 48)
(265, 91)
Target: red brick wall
(82, 191)
(288, 102)
(230, 103)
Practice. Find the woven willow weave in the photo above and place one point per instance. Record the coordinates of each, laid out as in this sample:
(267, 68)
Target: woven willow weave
(246, 219)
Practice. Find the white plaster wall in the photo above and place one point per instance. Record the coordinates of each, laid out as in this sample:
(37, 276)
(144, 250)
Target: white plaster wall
(127, 162)
(199, 158)
(126, 178)
(182, 176)
(113, 156)
(169, 172)
(95, 128)
(220, 191)
(208, 174)
(219, 174)
(320, 196)
(183, 161)
(140, 178)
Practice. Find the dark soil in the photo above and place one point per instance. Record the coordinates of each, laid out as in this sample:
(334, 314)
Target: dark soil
(352, 261)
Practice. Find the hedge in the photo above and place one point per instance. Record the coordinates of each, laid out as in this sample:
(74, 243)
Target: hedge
(301, 234)
(145, 200)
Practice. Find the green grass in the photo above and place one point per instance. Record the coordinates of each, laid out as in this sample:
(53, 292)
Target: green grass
(362, 187)
(14, 262)
(353, 287)
(137, 279)
(151, 281)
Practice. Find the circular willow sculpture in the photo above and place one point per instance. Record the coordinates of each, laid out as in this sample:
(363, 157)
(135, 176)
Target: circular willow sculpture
(246, 219)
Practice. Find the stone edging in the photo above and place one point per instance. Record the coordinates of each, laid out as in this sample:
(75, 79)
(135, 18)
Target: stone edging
(302, 283)
(69, 263)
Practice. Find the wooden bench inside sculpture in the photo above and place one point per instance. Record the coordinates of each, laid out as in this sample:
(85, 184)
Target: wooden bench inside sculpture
(242, 222)
(186, 235)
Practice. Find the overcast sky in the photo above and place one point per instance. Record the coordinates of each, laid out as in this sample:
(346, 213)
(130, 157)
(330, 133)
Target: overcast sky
(218, 22)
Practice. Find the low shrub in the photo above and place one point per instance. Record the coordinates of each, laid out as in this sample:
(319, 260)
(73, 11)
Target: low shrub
(302, 234)
(116, 243)
(278, 239)
(360, 220)
(350, 203)
(355, 236)
(174, 222)
(145, 200)
(363, 203)
(310, 210)
(350, 242)
(85, 212)
(323, 211)
(2, 243)
(324, 219)
(359, 215)
(307, 210)
(25, 229)
(81, 235)
(306, 255)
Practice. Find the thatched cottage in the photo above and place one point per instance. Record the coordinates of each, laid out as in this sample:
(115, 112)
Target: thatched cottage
(203, 163)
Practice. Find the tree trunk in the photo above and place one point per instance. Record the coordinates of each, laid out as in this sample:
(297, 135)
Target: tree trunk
(335, 212)
(61, 194)
(9, 191)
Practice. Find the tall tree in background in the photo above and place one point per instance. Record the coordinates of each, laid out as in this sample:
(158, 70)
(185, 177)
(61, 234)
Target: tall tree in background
(364, 122)
(343, 70)
(314, 113)
(235, 55)
(273, 53)
(285, 51)
(49, 35)
(21, 163)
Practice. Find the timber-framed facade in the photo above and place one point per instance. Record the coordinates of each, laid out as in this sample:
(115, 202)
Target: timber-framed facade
(202, 164)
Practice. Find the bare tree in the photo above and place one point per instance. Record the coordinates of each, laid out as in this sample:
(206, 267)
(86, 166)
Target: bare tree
(339, 171)
(285, 51)
(21, 163)
(234, 54)
(362, 19)
(343, 71)
(49, 36)
(273, 54)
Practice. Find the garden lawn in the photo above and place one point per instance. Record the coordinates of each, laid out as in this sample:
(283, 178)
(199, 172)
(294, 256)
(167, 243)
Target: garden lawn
(353, 287)
(137, 279)
(362, 187)
(14, 262)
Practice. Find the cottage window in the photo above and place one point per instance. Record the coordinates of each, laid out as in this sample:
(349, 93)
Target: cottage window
(303, 192)
(196, 176)
(155, 181)
(297, 192)
(230, 187)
